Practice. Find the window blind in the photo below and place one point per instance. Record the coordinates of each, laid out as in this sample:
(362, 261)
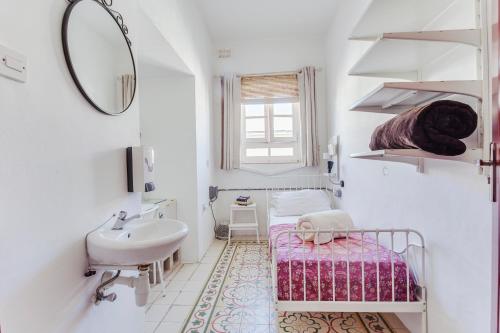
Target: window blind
(269, 87)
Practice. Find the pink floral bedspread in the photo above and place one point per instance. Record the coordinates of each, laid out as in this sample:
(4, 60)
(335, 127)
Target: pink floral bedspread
(325, 258)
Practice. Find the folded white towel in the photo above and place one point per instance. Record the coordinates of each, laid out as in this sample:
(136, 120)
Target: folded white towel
(326, 220)
(306, 226)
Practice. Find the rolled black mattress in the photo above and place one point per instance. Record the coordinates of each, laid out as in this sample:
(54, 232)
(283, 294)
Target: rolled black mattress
(436, 128)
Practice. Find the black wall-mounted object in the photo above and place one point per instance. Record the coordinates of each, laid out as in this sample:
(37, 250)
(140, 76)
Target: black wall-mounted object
(213, 193)
(140, 167)
(130, 170)
(330, 166)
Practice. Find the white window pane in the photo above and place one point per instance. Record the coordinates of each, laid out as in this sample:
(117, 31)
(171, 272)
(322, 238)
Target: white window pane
(255, 128)
(283, 127)
(255, 135)
(254, 110)
(257, 152)
(276, 152)
(283, 109)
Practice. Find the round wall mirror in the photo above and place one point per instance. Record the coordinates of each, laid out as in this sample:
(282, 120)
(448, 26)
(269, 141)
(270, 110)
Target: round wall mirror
(98, 55)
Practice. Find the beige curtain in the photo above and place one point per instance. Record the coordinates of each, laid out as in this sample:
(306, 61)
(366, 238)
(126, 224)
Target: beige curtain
(231, 118)
(309, 118)
(127, 90)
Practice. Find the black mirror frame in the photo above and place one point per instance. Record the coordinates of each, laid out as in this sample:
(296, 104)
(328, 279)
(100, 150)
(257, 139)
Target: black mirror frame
(123, 28)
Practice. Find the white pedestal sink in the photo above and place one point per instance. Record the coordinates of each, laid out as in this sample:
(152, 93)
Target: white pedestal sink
(141, 242)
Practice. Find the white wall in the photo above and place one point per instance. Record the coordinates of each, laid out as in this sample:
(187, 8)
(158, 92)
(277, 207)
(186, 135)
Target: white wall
(449, 204)
(182, 25)
(265, 56)
(63, 173)
(167, 124)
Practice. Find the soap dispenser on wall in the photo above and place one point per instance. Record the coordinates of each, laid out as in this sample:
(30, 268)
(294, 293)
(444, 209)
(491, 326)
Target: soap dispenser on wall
(140, 169)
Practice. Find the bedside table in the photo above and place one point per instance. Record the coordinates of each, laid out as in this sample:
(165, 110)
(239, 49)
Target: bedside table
(235, 224)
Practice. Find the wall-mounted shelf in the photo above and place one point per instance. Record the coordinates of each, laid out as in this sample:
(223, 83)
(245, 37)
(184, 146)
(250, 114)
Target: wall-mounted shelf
(403, 54)
(405, 15)
(415, 156)
(405, 46)
(397, 97)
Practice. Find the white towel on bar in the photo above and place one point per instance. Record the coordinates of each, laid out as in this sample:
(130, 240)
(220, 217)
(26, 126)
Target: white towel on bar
(325, 220)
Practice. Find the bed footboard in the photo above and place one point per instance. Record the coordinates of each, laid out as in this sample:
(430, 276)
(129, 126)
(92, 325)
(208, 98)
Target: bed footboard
(407, 253)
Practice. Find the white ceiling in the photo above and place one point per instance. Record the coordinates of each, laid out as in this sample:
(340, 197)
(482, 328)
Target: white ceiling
(266, 19)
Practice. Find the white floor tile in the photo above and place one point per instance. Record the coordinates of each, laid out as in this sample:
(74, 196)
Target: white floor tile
(207, 268)
(194, 286)
(187, 298)
(149, 327)
(169, 327)
(157, 288)
(168, 297)
(209, 260)
(175, 285)
(182, 276)
(185, 272)
(153, 295)
(219, 244)
(201, 275)
(213, 252)
(156, 313)
(178, 313)
(189, 267)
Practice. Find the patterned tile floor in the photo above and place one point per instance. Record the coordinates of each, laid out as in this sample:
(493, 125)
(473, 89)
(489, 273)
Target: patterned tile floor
(237, 298)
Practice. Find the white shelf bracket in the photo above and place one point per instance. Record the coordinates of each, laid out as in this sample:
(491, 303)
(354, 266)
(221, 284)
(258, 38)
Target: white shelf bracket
(465, 36)
(399, 99)
(473, 88)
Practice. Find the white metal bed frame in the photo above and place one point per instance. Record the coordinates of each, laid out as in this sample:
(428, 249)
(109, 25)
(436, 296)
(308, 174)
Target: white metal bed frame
(417, 250)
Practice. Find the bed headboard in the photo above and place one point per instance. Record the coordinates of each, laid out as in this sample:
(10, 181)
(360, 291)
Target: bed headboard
(297, 183)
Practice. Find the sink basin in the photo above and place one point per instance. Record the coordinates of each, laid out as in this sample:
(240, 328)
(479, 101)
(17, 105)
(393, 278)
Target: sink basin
(140, 242)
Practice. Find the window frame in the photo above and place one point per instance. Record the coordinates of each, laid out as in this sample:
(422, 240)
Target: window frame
(269, 141)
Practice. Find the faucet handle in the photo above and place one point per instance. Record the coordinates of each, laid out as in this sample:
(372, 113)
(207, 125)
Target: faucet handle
(122, 215)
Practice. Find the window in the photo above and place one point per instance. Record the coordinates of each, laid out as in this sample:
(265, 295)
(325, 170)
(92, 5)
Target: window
(270, 120)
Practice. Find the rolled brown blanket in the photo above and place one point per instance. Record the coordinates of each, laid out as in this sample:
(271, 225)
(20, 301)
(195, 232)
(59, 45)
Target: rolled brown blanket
(436, 128)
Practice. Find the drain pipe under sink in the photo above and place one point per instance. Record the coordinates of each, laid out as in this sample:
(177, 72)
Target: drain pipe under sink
(139, 283)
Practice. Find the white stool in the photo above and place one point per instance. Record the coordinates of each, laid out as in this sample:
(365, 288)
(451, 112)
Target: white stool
(234, 224)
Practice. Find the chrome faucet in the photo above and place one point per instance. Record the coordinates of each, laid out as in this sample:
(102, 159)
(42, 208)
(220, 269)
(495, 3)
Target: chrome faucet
(122, 220)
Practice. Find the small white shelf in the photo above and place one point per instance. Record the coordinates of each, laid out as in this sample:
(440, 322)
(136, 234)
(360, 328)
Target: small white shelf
(415, 156)
(405, 15)
(403, 54)
(397, 97)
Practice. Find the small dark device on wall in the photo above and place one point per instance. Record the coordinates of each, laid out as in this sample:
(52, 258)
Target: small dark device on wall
(213, 193)
(221, 230)
(330, 166)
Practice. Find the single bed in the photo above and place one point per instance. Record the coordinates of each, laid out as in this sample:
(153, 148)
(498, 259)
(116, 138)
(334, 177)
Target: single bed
(291, 259)
(369, 270)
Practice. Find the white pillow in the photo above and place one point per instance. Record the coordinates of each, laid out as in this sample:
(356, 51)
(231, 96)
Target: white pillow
(300, 202)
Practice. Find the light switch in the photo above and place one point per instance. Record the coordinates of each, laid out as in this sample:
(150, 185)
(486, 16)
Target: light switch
(13, 65)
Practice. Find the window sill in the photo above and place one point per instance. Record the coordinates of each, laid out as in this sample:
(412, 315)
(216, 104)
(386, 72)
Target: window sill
(270, 169)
